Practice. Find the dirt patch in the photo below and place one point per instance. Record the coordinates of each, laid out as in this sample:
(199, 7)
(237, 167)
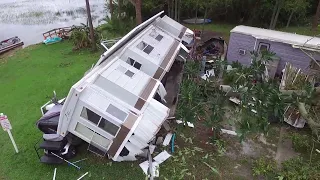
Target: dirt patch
(285, 150)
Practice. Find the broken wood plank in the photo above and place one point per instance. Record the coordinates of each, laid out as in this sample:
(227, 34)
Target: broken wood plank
(167, 139)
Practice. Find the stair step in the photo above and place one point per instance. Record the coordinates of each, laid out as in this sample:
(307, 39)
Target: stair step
(52, 145)
(50, 160)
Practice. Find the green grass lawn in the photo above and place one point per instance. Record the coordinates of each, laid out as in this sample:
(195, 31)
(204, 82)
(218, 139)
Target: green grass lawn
(27, 80)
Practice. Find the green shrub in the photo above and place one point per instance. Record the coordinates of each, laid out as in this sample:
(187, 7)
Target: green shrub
(116, 27)
(298, 169)
(264, 167)
(80, 37)
(301, 143)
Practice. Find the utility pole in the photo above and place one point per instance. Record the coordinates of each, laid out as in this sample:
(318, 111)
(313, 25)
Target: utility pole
(93, 42)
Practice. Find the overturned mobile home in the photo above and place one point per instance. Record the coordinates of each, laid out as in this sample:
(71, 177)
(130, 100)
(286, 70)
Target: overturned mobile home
(120, 104)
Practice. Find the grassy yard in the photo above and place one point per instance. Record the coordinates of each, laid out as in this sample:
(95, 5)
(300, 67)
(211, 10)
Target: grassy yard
(28, 79)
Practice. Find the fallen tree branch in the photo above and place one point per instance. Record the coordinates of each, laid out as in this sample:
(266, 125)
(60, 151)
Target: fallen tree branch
(313, 125)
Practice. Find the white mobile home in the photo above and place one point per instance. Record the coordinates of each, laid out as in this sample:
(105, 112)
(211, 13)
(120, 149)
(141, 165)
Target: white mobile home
(113, 107)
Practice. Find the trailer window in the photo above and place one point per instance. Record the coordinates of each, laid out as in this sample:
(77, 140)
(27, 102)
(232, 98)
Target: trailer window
(145, 47)
(156, 35)
(90, 115)
(116, 112)
(263, 47)
(129, 73)
(108, 126)
(134, 63)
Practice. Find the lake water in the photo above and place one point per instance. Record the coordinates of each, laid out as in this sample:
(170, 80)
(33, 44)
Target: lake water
(28, 19)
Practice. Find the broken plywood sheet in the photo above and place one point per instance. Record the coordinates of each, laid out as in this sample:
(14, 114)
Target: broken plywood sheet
(155, 168)
(225, 131)
(163, 156)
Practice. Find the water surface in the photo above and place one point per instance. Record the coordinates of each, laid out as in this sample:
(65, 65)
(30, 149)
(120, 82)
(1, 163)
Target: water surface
(28, 19)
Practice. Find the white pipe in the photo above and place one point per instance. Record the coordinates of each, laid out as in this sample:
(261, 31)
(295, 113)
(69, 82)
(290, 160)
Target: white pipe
(83, 176)
(54, 174)
(12, 140)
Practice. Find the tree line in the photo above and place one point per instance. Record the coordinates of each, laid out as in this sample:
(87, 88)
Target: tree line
(263, 13)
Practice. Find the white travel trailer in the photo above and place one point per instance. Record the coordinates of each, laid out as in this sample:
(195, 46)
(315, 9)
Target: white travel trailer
(121, 103)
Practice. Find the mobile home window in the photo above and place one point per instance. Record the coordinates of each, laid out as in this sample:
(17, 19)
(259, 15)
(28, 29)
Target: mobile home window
(156, 35)
(134, 63)
(263, 47)
(145, 47)
(129, 73)
(116, 112)
(90, 115)
(108, 126)
(101, 122)
(159, 37)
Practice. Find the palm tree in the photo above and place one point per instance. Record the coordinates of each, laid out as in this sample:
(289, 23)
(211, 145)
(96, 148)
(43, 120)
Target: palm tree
(316, 18)
(93, 43)
(137, 4)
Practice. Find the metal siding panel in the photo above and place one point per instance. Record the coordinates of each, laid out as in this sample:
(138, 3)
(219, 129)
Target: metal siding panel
(240, 41)
(288, 54)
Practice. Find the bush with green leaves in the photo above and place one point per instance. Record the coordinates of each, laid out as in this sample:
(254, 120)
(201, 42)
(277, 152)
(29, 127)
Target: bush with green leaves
(115, 27)
(80, 37)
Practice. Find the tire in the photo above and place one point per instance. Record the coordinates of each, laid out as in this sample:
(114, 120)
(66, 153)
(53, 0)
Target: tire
(73, 140)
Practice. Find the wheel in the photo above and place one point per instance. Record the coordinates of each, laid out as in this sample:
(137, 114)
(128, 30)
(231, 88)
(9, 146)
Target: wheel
(74, 140)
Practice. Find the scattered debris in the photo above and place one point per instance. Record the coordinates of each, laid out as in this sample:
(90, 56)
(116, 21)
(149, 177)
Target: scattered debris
(294, 80)
(155, 168)
(54, 174)
(151, 148)
(107, 44)
(167, 139)
(188, 123)
(160, 158)
(170, 118)
(66, 161)
(159, 140)
(225, 131)
(212, 168)
(83, 176)
(166, 126)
